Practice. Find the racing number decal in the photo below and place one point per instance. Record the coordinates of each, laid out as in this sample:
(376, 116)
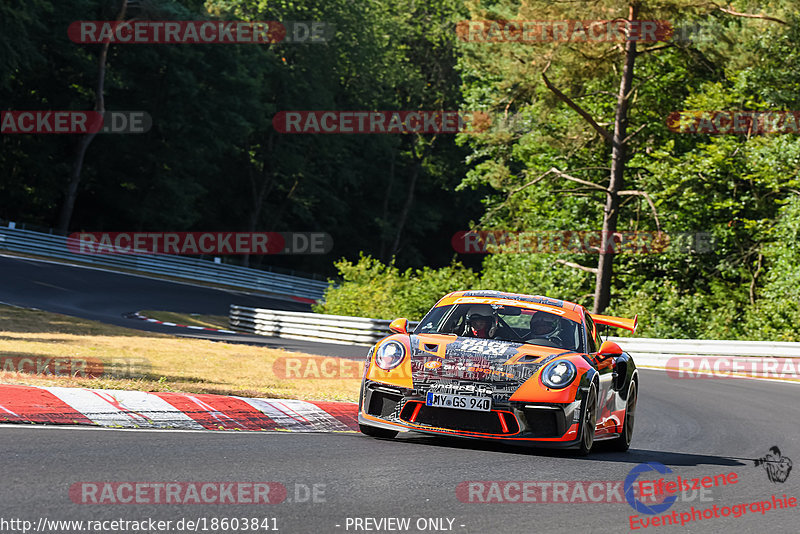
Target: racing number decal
(484, 345)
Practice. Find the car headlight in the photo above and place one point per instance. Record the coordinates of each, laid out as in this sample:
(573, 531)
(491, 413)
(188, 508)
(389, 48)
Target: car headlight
(559, 374)
(389, 355)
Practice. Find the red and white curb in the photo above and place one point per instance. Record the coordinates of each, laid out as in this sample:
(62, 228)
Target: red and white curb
(139, 409)
(138, 315)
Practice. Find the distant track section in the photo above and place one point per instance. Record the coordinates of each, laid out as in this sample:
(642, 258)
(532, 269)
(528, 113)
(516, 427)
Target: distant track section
(191, 269)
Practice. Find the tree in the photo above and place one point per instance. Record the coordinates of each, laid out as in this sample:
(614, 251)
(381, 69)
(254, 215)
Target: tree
(564, 150)
(82, 144)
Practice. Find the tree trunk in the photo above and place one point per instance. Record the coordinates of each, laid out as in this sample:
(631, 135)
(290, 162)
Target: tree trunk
(605, 264)
(385, 213)
(409, 201)
(71, 193)
(260, 191)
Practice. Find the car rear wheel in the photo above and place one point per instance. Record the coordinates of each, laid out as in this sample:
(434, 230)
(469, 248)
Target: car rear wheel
(622, 442)
(376, 432)
(589, 422)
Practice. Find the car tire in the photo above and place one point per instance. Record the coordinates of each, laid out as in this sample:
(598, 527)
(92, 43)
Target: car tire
(623, 441)
(589, 421)
(376, 432)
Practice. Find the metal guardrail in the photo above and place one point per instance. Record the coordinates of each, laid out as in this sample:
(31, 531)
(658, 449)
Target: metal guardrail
(193, 269)
(698, 358)
(642, 347)
(362, 331)
(309, 326)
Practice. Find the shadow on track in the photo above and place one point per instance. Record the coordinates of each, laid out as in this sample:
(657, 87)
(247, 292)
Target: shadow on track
(600, 453)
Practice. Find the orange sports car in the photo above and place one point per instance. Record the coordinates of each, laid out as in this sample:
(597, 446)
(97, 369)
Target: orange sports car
(506, 367)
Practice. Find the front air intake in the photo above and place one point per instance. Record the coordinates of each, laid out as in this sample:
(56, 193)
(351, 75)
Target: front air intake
(493, 422)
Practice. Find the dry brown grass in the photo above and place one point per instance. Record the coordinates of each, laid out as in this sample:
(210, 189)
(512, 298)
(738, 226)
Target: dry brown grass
(147, 361)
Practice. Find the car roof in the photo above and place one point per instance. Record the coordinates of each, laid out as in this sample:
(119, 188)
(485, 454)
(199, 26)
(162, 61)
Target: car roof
(560, 307)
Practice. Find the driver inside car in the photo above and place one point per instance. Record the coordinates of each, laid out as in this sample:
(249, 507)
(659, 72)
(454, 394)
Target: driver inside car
(544, 325)
(481, 322)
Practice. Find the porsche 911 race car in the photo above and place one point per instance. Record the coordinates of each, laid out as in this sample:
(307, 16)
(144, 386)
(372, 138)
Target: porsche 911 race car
(513, 368)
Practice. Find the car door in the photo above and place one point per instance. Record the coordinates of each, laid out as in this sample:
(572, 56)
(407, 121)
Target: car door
(606, 422)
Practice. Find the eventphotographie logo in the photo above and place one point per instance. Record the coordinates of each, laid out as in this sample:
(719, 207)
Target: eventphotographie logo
(639, 505)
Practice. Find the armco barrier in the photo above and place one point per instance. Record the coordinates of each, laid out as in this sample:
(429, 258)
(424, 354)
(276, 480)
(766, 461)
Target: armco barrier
(193, 269)
(309, 326)
(647, 352)
(664, 353)
(643, 347)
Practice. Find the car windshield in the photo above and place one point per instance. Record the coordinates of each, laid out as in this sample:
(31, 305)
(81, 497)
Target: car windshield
(506, 323)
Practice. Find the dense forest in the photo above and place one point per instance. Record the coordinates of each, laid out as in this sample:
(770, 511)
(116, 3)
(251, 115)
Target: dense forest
(579, 135)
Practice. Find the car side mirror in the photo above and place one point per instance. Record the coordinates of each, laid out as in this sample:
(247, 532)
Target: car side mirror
(607, 350)
(399, 326)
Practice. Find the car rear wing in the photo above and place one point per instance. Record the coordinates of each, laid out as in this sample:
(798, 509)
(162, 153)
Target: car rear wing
(619, 322)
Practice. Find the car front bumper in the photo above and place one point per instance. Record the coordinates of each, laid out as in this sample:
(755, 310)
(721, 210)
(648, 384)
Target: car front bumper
(524, 423)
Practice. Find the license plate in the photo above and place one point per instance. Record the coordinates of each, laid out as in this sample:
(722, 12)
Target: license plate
(461, 402)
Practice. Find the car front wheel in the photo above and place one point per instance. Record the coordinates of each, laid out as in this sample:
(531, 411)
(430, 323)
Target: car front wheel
(622, 442)
(589, 422)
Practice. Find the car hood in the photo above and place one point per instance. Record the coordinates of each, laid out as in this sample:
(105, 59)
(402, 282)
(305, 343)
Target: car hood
(442, 362)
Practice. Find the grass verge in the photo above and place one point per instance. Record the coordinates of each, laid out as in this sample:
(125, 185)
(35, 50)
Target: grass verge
(58, 350)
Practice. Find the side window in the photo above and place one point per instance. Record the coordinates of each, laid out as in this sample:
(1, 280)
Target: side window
(592, 335)
(432, 322)
(455, 325)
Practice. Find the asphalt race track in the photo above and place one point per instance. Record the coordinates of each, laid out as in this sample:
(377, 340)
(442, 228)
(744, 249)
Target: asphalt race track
(697, 428)
(110, 297)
